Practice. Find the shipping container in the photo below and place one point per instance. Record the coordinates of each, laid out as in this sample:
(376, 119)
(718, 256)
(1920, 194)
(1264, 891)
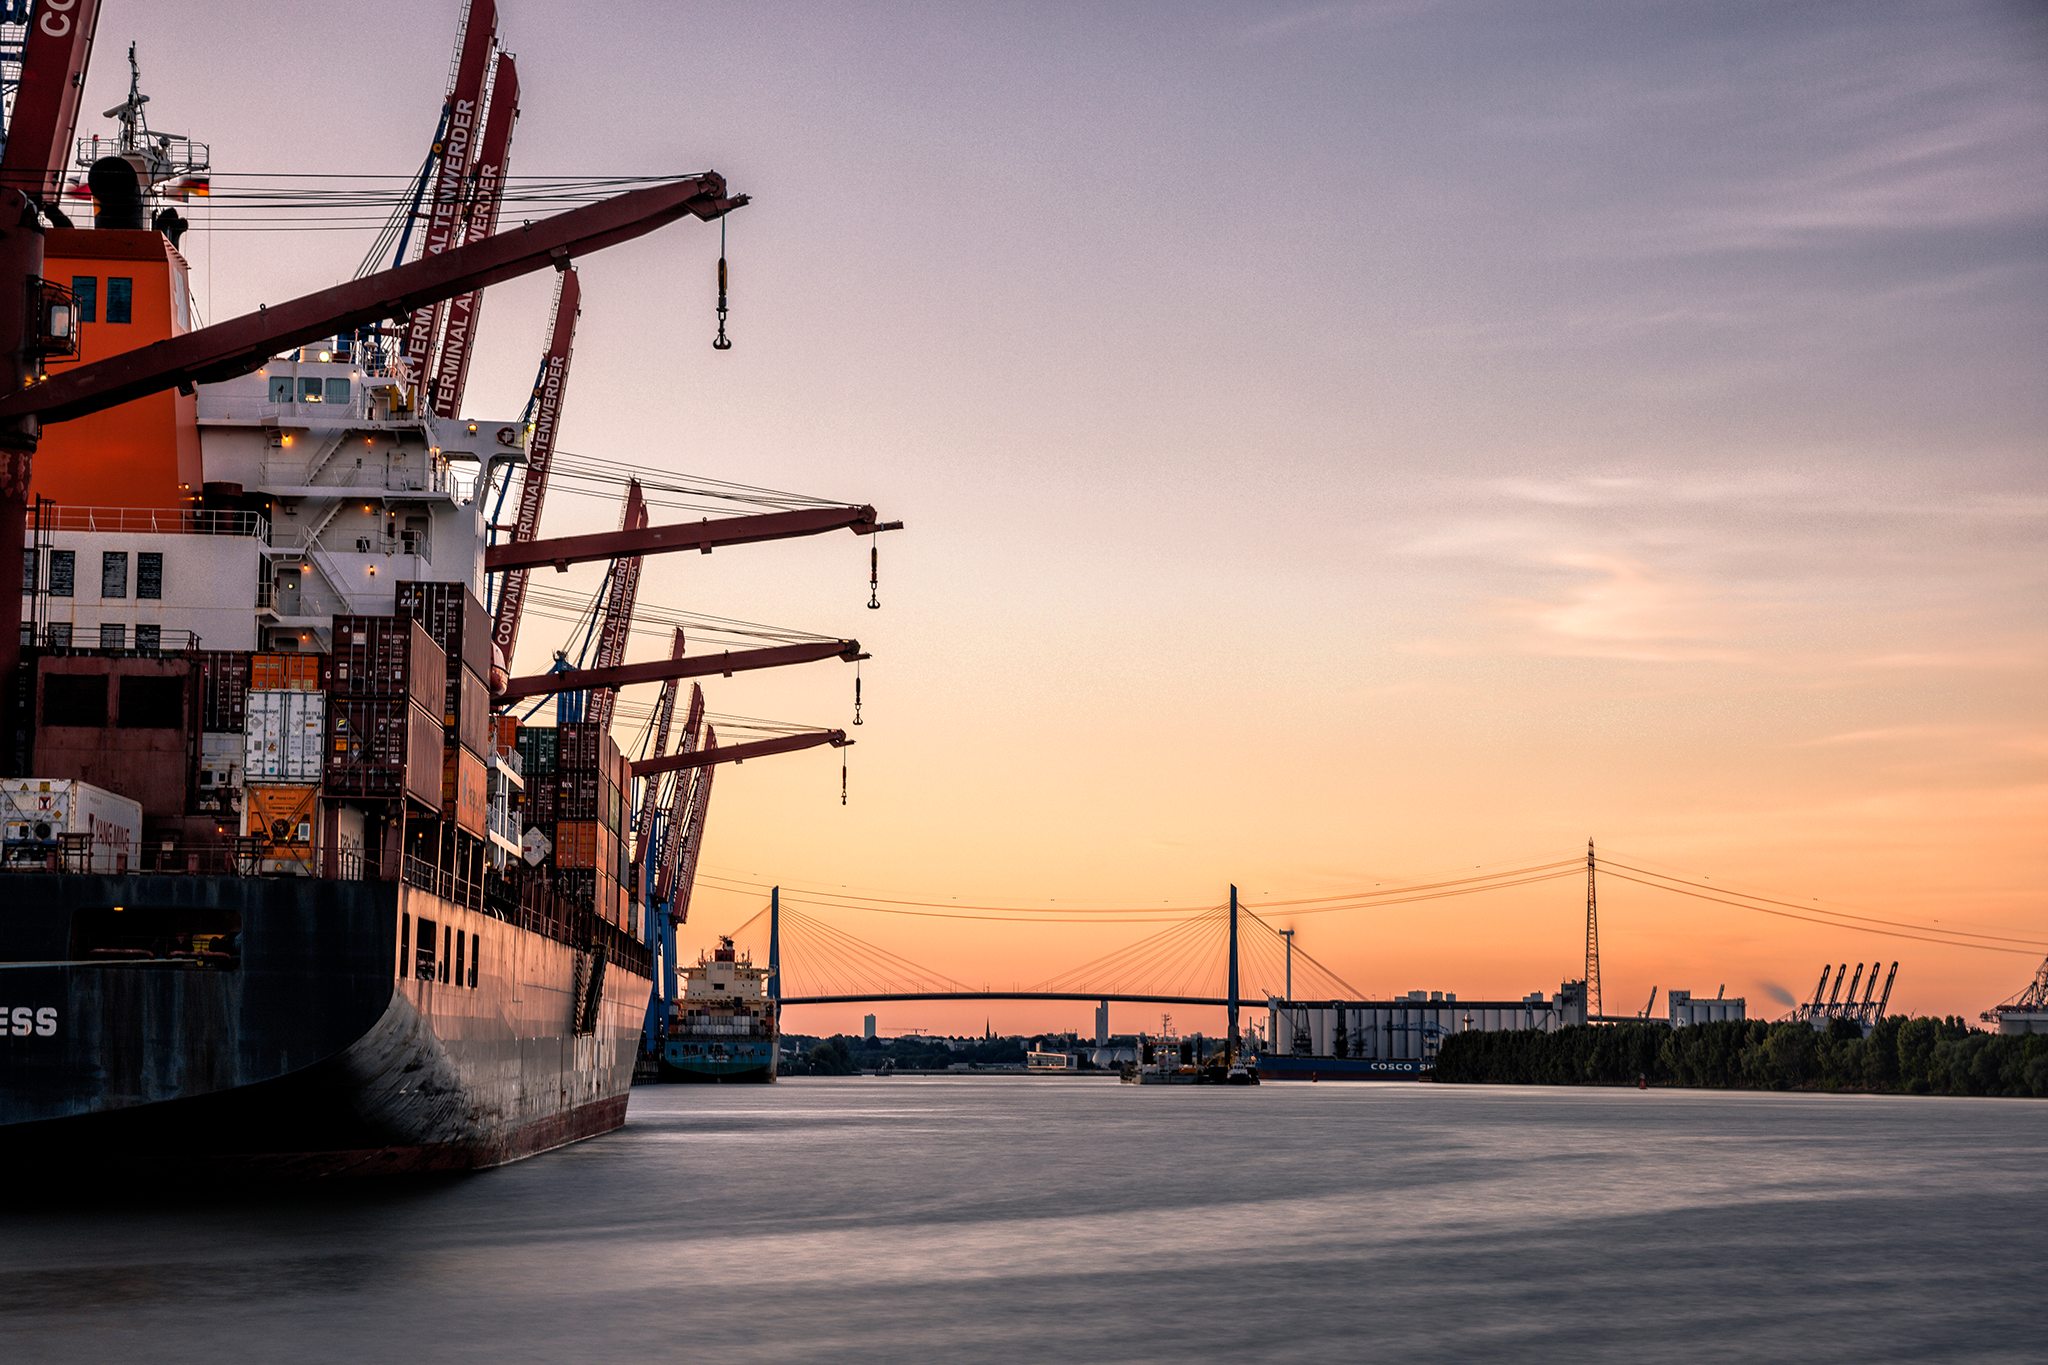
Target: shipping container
(505, 730)
(455, 620)
(386, 656)
(39, 811)
(576, 845)
(282, 817)
(465, 790)
(540, 811)
(467, 710)
(284, 673)
(578, 795)
(577, 886)
(223, 690)
(385, 748)
(286, 736)
(220, 774)
(538, 750)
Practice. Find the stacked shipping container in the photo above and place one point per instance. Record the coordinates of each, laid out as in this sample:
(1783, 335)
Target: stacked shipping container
(387, 683)
(576, 784)
(457, 623)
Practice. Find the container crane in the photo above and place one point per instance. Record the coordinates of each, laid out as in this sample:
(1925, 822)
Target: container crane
(618, 611)
(704, 536)
(664, 716)
(660, 670)
(548, 391)
(486, 194)
(682, 867)
(462, 115)
(240, 345)
(712, 754)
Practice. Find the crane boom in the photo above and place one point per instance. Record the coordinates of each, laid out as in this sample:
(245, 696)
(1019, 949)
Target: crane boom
(660, 670)
(540, 454)
(54, 59)
(460, 115)
(740, 753)
(486, 194)
(706, 535)
(618, 612)
(240, 345)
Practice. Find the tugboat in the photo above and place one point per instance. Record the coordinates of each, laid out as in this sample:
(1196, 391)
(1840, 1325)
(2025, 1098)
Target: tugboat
(724, 1028)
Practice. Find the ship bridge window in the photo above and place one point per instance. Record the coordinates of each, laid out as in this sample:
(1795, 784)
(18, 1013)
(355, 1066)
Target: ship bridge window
(404, 945)
(148, 639)
(151, 704)
(149, 573)
(75, 699)
(461, 958)
(337, 390)
(280, 388)
(473, 954)
(85, 296)
(114, 573)
(311, 391)
(120, 298)
(63, 571)
(113, 635)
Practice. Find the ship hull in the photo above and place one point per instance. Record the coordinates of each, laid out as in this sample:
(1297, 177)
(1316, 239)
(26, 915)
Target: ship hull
(688, 1061)
(1278, 1068)
(311, 1055)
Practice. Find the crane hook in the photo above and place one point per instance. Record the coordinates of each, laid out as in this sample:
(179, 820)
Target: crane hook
(874, 576)
(720, 342)
(842, 777)
(856, 693)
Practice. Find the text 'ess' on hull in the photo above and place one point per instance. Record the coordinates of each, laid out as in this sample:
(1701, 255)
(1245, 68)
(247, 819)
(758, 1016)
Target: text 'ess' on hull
(279, 888)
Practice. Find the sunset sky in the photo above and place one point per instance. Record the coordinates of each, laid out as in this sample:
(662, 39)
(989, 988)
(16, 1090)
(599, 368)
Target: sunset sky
(1341, 445)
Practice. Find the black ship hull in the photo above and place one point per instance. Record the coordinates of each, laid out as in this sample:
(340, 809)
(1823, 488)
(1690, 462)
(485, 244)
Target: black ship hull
(322, 1033)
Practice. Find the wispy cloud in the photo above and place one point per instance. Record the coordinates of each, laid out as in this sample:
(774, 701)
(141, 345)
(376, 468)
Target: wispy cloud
(1621, 609)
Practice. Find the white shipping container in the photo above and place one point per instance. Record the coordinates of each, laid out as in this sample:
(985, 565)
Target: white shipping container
(38, 811)
(284, 736)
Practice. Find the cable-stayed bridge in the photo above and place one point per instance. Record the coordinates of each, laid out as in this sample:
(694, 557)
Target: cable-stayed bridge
(1228, 953)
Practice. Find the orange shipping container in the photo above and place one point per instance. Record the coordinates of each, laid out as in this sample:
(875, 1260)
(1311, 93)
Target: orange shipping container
(506, 731)
(281, 816)
(284, 673)
(576, 844)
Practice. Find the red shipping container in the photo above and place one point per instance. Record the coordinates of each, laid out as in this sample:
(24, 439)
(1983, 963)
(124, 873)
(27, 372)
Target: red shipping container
(465, 790)
(386, 656)
(467, 711)
(455, 620)
(383, 748)
(223, 690)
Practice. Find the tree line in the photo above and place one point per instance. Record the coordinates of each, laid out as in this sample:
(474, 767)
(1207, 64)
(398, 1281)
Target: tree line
(1902, 1055)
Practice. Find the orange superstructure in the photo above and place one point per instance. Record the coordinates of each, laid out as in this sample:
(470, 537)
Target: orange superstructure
(132, 288)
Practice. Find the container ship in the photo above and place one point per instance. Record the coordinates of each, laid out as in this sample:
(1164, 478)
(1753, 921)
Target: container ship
(282, 889)
(724, 1027)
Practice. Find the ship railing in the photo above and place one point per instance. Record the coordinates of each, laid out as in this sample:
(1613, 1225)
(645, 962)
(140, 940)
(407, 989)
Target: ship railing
(61, 637)
(155, 521)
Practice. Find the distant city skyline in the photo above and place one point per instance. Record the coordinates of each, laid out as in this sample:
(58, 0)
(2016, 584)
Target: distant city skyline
(1340, 444)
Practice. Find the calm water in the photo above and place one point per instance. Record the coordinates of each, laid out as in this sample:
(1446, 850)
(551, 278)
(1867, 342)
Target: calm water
(1047, 1219)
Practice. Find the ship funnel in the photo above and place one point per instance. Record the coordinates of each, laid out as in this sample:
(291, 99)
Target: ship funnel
(116, 193)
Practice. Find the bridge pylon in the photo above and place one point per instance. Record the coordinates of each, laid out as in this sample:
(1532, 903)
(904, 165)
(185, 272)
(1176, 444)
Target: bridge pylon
(1231, 1008)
